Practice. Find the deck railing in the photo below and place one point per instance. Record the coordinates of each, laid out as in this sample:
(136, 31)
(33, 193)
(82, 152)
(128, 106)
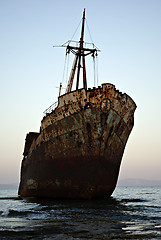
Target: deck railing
(50, 109)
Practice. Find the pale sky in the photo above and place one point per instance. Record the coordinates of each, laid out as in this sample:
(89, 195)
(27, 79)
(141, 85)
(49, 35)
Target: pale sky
(128, 33)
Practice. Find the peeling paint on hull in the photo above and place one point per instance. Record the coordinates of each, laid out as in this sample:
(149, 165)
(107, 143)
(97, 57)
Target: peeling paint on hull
(77, 154)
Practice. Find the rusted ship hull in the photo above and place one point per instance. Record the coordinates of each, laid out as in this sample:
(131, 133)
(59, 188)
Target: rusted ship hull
(78, 152)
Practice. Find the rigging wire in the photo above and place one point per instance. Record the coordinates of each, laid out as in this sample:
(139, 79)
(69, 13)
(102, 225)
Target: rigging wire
(89, 32)
(66, 67)
(75, 32)
(95, 59)
(94, 55)
(97, 69)
(94, 70)
(67, 70)
(65, 63)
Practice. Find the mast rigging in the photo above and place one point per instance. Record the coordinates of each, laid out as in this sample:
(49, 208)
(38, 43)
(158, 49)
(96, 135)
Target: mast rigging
(79, 62)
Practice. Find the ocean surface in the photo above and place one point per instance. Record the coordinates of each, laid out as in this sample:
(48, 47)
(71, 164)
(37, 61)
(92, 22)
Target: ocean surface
(131, 213)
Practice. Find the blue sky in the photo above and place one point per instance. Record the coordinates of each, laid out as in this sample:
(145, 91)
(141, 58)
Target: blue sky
(128, 32)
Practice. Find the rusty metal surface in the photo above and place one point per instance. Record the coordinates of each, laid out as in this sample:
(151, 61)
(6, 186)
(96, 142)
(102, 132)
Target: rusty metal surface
(79, 149)
(30, 137)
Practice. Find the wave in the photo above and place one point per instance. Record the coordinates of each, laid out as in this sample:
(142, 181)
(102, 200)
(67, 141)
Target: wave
(25, 214)
(15, 213)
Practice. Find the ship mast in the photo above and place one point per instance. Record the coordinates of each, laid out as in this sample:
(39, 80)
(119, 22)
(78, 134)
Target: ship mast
(79, 61)
(81, 56)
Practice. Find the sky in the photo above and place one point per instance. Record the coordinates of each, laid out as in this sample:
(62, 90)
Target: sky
(128, 33)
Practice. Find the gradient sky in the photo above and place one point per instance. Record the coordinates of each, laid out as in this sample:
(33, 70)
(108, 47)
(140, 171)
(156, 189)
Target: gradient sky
(128, 32)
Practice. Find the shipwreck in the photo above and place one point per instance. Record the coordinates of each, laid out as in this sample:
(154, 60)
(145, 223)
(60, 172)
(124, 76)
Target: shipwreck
(78, 151)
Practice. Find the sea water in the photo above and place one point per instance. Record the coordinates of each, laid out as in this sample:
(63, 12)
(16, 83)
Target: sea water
(131, 213)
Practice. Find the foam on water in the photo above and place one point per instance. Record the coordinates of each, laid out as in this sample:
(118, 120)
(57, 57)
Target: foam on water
(131, 213)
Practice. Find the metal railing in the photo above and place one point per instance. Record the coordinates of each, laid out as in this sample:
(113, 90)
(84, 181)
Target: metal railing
(50, 109)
